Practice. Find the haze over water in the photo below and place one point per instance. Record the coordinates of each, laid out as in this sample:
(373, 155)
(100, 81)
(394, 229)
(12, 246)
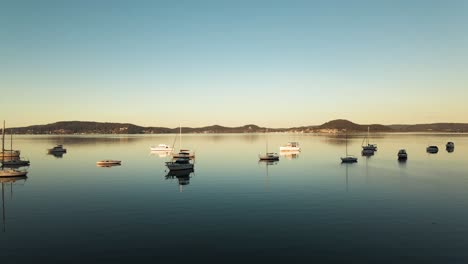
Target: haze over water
(378, 209)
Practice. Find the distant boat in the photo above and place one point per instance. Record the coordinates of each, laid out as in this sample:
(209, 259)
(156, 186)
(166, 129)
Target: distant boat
(432, 149)
(180, 164)
(57, 149)
(12, 173)
(161, 147)
(183, 153)
(402, 155)
(369, 147)
(450, 145)
(348, 158)
(268, 155)
(291, 146)
(108, 162)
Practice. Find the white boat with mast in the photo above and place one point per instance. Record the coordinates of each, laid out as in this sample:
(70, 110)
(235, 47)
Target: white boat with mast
(183, 153)
(348, 158)
(8, 154)
(268, 155)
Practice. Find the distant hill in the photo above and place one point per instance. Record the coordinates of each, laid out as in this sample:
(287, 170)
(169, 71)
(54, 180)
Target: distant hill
(342, 124)
(334, 126)
(435, 127)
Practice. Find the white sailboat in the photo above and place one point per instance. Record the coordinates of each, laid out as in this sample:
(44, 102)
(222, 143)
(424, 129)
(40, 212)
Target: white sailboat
(348, 158)
(183, 153)
(268, 155)
(8, 153)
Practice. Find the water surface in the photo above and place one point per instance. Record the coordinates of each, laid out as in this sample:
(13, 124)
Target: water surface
(234, 207)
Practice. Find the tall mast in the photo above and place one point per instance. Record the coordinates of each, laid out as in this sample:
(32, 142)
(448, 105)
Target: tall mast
(11, 142)
(3, 139)
(266, 136)
(368, 128)
(346, 135)
(180, 137)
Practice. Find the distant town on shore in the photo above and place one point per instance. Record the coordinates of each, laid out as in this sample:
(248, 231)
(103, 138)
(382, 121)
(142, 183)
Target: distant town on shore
(334, 126)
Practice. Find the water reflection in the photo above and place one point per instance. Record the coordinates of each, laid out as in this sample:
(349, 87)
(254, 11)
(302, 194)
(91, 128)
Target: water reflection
(290, 154)
(161, 154)
(57, 155)
(4, 182)
(182, 176)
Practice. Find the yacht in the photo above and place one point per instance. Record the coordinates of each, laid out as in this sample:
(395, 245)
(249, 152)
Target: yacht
(57, 149)
(12, 173)
(161, 147)
(291, 146)
(367, 152)
(180, 164)
(432, 149)
(402, 155)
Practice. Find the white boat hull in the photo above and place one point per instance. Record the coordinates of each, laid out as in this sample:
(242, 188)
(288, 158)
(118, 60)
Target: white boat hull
(12, 173)
(290, 148)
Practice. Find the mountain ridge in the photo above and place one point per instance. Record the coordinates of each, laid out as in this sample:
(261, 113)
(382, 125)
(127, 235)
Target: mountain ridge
(333, 126)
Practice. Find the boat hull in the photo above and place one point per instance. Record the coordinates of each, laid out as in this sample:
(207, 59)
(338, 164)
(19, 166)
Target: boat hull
(12, 173)
(348, 160)
(172, 166)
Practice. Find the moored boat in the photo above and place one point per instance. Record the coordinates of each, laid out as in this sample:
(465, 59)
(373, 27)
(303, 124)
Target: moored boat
(402, 155)
(450, 145)
(57, 149)
(15, 163)
(269, 156)
(161, 147)
(348, 158)
(432, 149)
(291, 146)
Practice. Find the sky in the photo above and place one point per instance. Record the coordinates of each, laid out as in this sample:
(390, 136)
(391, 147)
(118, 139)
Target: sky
(197, 63)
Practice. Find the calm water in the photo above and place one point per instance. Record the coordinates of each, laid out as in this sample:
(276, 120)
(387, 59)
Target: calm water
(233, 207)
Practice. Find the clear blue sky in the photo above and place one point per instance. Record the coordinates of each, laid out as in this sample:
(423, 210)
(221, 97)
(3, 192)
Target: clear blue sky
(274, 63)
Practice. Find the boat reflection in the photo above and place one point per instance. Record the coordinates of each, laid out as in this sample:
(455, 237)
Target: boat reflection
(57, 155)
(161, 154)
(294, 154)
(110, 165)
(182, 176)
(4, 182)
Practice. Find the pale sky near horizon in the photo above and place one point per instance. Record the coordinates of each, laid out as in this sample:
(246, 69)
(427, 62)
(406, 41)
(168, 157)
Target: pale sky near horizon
(271, 63)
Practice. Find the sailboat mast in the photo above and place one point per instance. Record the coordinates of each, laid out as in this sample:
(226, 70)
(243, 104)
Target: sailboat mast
(180, 137)
(3, 138)
(266, 136)
(346, 136)
(11, 142)
(368, 128)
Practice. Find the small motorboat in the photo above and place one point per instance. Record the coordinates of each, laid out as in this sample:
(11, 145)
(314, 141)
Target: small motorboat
(291, 146)
(12, 173)
(57, 149)
(108, 162)
(402, 155)
(161, 147)
(180, 164)
(269, 156)
(450, 145)
(432, 149)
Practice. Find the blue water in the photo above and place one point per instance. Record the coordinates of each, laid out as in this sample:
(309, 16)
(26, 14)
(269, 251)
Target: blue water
(233, 208)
